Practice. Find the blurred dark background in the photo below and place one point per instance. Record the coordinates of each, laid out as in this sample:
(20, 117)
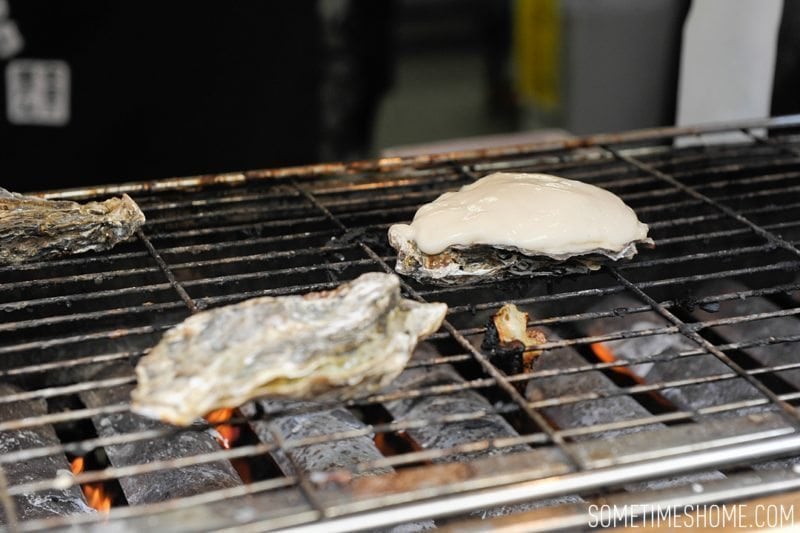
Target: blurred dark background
(100, 92)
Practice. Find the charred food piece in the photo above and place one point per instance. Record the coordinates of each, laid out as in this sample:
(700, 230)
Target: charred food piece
(325, 345)
(508, 340)
(508, 224)
(32, 228)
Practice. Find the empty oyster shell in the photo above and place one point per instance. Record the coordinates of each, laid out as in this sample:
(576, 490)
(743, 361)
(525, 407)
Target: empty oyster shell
(33, 228)
(508, 224)
(509, 342)
(335, 344)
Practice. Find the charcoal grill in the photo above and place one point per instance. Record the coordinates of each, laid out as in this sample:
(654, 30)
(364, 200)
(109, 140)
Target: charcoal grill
(576, 431)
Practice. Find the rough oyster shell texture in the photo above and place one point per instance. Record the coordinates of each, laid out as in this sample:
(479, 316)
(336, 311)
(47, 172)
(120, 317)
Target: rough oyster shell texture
(508, 224)
(32, 228)
(326, 345)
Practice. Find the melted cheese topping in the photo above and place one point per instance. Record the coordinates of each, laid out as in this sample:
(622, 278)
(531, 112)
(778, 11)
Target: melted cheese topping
(532, 212)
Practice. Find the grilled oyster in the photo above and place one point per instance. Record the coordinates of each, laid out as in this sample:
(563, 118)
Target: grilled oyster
(509, 224)
(334, 344)
(32, 228)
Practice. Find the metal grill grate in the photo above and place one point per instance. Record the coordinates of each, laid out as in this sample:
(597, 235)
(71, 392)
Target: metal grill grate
(718, 213)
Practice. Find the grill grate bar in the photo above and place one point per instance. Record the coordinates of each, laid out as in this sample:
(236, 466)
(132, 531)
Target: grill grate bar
(200, 216)
(778, 289)
(498, 376)
(291, 270)
(250, 226)
(676, 416)
(152, 203)
(16, 286)
(9, 509)
(667, 357)
(79, 361)
(424, 196)
(329, 248)
(83, 296)
(78, 339)
(293, 289)
(79, 317)
(167, 272)
(752, 180)
(768, 141)
(82, 447)
(771, 237)
(405, 459)
(340, 214)
(597, 478)
(532, 299)
(626, 391)
(66, 416)
(731, 252)
(116, 472)
(668, 206)
(743, 318)
(303, 480)
(758, 194)
(50, 392)
(259, 449)
(254, 241)
(780, 265)
(76, 317)
(175, 504)
(467, 385)
(717, 216)
(787, 408)
(432, 454)
(700, 236)
(471, 385)
(680, 221)
(70, 261)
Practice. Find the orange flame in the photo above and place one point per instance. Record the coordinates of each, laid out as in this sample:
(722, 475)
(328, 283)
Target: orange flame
(76, 465)
(96, 495)
(227, 433)
(226, 436)
(605, 354)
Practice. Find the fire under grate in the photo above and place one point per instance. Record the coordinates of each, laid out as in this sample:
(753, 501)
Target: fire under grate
(671, 378)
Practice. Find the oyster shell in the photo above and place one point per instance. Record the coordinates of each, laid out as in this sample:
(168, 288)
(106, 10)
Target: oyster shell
(509, 342)
(32, 228)
(508, 224)
(335, 344)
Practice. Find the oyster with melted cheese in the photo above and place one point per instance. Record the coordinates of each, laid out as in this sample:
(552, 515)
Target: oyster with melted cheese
(509, 224)
(324, 345)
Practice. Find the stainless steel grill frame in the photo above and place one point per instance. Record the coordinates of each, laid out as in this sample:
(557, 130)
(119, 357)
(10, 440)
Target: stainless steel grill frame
(716, 212)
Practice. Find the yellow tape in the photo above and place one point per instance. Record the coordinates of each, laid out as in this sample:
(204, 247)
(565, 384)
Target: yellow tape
(537, 43)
